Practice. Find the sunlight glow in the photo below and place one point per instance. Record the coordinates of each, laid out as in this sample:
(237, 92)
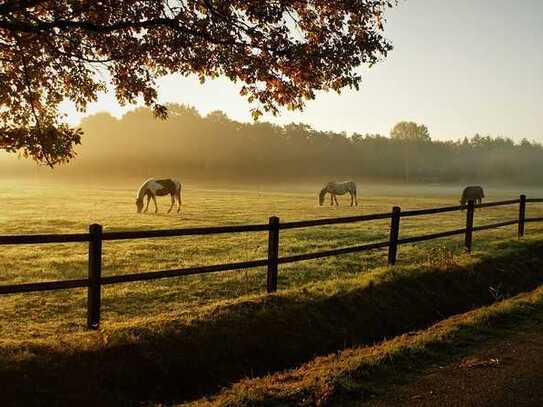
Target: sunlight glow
(456, 68)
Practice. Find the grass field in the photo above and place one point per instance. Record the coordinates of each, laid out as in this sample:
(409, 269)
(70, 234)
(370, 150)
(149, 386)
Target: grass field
(31, 208)
(359, 375)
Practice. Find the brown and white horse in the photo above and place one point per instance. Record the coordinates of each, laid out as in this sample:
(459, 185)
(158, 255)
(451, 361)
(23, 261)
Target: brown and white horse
(159, 187)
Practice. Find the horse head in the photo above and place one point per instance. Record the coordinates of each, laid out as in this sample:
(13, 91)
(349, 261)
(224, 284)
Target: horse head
(139, 204)
(321, 196)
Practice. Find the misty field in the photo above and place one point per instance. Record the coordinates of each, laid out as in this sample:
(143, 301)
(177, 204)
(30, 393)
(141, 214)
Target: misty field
(28, 208)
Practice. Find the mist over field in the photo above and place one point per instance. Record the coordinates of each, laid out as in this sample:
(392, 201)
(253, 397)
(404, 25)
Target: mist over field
(216, 148)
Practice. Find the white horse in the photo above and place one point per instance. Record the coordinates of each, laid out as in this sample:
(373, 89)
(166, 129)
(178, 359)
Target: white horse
(338, 188)
(159, 187)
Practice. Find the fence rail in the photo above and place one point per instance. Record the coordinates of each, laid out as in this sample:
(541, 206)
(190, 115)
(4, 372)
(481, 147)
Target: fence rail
(39, 239)
(96, 236)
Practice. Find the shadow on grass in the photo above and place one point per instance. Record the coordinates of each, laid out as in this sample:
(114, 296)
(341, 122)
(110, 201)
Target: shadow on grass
(178, 360)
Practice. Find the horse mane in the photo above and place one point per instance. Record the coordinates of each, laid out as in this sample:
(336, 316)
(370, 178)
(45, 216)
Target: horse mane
(141, 189)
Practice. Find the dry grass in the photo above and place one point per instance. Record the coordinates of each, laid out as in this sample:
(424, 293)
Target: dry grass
(52, 209)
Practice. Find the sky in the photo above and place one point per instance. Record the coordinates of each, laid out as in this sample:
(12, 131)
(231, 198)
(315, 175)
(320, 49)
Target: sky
(458, 66)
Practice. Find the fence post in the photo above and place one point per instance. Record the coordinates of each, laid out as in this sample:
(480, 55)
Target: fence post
(95, 275)
(469, 226)
(273, 254)
(394, 233)
(521, 215)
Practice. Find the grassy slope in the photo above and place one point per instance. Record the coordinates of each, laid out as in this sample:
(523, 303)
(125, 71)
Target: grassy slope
(48, 317)
(180, 355)
(359, 374)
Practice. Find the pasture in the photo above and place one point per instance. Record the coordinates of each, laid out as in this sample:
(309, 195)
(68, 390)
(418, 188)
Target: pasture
(32, 208)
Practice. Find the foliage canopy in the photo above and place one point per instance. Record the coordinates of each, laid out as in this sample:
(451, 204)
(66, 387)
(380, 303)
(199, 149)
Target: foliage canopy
(282, 51)
(410, 132)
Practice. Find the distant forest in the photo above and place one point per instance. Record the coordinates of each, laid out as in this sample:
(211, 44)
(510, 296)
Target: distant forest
(216, 147)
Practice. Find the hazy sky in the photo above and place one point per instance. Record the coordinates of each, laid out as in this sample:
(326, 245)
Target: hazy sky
(458, 66)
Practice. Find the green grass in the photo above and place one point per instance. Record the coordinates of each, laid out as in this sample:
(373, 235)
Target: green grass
(71, 208)
(358, 374)
(186, 353)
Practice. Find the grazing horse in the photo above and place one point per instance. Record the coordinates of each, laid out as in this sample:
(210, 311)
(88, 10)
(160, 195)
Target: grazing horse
(338, 188)
(159, 187)
(472, 193)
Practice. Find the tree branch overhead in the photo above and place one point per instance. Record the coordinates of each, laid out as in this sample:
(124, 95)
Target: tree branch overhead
(282, 52)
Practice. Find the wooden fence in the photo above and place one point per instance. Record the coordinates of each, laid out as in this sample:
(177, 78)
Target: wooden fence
(96, 236)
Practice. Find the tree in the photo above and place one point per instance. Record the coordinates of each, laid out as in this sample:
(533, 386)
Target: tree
(409, 134)
(282, 52)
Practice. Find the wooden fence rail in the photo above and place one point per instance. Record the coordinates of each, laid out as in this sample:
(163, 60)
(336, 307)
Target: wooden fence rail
(96, 236)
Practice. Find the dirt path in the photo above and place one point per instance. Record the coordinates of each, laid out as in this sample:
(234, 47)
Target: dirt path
(507, 373)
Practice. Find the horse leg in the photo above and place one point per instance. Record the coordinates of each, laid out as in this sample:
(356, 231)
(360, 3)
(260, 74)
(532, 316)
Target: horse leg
(179, 200)
(154, 201)
(331, 199)
(148, 200)
(352, 199)
(173, 201)
(335, 198)
(355, 199)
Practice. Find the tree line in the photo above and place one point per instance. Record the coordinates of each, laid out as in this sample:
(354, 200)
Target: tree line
(216, 147)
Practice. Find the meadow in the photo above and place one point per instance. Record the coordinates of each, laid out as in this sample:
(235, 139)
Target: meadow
(54, 208)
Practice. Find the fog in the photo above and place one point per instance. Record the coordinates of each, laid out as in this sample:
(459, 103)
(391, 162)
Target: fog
(216, 148)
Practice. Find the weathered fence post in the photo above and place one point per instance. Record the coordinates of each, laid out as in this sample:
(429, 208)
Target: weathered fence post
(469, 226)
(394, 233)
(521, 215)
(95, 275)
(273, 254)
